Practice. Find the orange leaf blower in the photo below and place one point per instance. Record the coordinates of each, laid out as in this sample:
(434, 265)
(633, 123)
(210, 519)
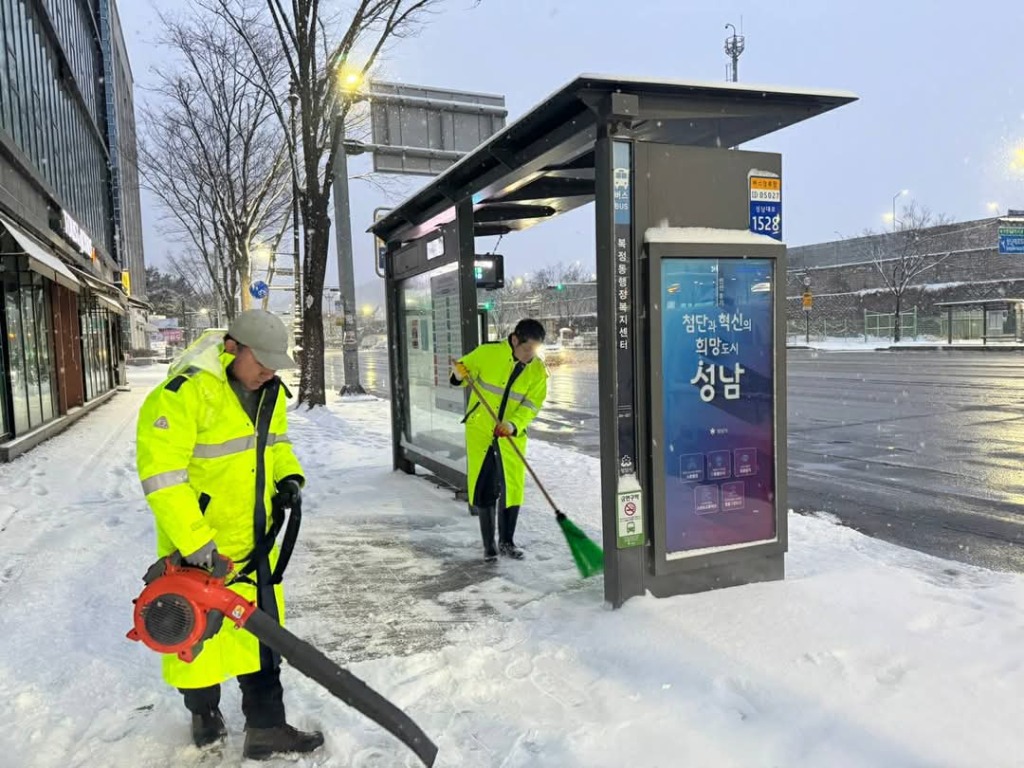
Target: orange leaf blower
(182, 606)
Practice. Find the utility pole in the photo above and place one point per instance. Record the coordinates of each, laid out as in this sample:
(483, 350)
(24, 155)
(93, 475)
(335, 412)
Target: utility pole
(293, 100)
(184, 324)
(734, 46)
(346, 278)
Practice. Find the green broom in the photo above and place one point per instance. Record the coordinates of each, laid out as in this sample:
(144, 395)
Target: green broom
(588, 556)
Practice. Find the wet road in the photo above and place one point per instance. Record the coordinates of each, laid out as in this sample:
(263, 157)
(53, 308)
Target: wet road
(923, 449)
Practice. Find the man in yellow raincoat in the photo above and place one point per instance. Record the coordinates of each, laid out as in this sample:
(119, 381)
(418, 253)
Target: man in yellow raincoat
(514, 382)
(213, 455)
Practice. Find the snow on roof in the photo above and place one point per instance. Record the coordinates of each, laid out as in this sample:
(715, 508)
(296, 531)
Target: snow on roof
(706, 235)
(754, 87)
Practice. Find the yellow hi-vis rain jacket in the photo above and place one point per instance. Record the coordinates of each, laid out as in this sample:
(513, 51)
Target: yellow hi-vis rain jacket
(209, 473)
(491, 365)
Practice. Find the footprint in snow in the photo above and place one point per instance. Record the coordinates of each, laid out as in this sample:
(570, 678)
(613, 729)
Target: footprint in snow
(891, 674)
(520, 668)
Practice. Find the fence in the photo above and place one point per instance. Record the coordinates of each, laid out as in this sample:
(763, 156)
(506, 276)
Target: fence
(822, 329)
(881, 325)
(878, 327)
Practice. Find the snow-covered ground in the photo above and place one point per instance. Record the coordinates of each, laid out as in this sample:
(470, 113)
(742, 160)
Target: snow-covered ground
(860, 345)
(867, 655)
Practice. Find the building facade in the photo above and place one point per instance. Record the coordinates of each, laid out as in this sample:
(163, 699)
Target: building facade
(124, 169)
(63, 311)
(959, 262)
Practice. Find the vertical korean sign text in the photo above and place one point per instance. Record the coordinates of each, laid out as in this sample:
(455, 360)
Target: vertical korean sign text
(718, 339)
(766, 205)
(622, 196)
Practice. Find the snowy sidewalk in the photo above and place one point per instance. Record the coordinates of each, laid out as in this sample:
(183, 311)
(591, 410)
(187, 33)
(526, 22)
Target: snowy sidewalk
(867, 655)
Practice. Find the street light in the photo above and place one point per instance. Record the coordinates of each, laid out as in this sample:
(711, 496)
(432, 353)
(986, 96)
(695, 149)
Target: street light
(1017, 159)
(349, 82)
(350, 79)
(993, 207)
(897, 196)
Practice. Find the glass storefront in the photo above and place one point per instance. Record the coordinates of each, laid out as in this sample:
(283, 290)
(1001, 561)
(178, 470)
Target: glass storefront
(431, 335)
(5, 426)
(31, 378)
(99, 327)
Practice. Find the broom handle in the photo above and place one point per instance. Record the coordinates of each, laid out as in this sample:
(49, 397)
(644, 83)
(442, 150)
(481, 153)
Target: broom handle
(515, 447)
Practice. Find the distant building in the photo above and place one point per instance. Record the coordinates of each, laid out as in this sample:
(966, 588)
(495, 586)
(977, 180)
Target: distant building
(846, 282)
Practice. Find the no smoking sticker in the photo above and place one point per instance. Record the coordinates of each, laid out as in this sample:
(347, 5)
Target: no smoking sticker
(630, 527)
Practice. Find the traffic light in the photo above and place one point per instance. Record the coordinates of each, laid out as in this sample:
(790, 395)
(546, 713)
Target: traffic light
(557, 287)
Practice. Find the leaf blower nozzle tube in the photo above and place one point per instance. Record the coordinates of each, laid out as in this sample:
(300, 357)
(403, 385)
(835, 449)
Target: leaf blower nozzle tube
(181, 607)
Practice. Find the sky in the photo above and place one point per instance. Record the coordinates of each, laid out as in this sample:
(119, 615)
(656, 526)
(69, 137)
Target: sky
(941, 110)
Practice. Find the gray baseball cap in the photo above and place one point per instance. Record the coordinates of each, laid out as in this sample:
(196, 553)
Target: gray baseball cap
(266, 335)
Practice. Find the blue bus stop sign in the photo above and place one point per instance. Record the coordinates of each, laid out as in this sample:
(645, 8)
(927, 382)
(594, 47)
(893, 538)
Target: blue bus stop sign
(259, 290)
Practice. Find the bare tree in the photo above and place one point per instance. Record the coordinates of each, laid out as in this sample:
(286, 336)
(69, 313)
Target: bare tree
(906, 254)
(508, 305)
(212, 153)
(569, 292)
(322, 55)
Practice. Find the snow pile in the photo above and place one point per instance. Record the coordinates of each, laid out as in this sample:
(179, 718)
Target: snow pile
(867, 655)
(705, 235)
(859, 344)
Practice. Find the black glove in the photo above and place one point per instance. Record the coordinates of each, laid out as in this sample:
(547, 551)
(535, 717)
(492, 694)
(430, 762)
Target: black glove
(289, 492)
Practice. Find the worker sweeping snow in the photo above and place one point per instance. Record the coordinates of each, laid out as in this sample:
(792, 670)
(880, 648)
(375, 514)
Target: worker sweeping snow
(513, 381)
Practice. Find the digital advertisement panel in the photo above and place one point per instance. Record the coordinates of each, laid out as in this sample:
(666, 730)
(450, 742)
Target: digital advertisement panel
(718, 338)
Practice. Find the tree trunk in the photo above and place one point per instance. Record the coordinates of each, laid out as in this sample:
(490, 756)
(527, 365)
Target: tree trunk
(897, 332)
(244, 295)
(312, 389)
(241, 270)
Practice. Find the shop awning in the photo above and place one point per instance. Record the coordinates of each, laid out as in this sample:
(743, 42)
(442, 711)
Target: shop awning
(139, 304)
(41, 262)
(109, 303)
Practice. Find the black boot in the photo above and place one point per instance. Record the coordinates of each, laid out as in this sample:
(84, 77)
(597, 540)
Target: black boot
(264, 743)
(208, 728)
(486, 515)
(507, 532)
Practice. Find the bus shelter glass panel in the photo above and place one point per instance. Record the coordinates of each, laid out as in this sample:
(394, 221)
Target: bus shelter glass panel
(431, 336)
(718, 337)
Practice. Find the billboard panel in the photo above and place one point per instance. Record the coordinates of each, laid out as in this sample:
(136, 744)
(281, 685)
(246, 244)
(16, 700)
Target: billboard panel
(717, 392)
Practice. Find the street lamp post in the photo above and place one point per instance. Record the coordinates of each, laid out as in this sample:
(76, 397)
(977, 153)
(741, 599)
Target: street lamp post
(293, 100)
(807, 310)
(343, 235)
(897, 196)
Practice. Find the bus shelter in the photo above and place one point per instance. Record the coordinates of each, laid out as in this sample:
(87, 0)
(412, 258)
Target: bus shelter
(691, 321)
(999, 320)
